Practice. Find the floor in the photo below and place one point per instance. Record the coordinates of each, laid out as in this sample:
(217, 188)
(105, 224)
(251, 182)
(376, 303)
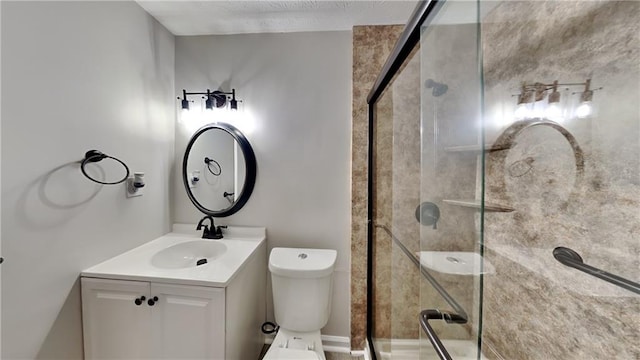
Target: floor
(329, 355)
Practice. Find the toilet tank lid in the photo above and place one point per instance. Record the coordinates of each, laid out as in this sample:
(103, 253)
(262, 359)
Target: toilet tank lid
(302, 263)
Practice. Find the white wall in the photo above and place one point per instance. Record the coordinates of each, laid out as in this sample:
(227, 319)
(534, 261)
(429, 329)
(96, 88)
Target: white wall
(297, 93)
(76, 76)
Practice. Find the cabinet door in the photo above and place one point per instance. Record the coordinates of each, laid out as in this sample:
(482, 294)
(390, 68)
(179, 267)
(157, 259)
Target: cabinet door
(114, 327)
(188, 322)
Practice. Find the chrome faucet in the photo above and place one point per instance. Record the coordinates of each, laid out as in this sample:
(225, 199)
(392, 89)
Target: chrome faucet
(210, 233)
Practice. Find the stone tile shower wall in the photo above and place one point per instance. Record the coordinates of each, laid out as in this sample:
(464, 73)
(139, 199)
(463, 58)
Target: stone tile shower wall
(397, 193)
(371, 47)
(405, 176)
(550, 311)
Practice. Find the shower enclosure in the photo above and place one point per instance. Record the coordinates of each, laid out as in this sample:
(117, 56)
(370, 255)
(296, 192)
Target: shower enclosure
(504, 184)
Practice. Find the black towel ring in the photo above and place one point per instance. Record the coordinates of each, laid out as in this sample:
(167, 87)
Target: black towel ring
(96, 156)
(208, 161)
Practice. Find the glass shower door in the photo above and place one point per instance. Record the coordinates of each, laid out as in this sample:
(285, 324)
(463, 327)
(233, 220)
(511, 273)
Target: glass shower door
(451, 183)
(427, 208)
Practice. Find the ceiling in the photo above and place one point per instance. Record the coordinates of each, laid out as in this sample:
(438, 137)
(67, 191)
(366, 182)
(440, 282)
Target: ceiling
(210, 17)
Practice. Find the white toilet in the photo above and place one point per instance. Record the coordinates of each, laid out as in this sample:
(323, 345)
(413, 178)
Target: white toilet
(302, 283)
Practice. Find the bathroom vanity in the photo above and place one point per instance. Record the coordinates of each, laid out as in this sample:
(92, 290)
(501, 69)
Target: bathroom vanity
(178, 296)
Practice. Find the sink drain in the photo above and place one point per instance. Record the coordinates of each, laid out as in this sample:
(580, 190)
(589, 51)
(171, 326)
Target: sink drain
(201, 262)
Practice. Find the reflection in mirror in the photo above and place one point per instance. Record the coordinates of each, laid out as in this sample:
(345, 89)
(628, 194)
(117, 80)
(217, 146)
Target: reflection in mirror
(219, 169)
(213, 156)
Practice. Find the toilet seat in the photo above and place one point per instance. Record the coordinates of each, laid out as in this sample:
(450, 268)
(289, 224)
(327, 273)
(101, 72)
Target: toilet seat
(296, 345)
(293, 354)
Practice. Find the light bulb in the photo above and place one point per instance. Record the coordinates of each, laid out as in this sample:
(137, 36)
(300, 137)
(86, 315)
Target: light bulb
(522, 112)
(554, 112)
(186, 116)
(539, 108)
(584, 110)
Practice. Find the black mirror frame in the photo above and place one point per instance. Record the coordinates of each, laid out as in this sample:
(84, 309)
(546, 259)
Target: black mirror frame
(249, 160)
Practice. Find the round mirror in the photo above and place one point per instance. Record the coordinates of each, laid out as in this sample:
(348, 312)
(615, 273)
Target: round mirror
(219, 169)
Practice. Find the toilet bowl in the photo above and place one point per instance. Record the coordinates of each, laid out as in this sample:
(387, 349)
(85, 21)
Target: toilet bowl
(302, 283)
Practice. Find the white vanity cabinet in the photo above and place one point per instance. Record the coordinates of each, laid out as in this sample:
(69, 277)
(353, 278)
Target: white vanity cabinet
(142, 305)
(113, 325)
(136, 320)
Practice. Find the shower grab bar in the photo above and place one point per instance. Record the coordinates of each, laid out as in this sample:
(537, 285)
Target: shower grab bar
(461, 314)
(572, 259)
(434, 314)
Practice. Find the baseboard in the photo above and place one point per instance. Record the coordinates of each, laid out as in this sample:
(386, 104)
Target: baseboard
(337, 344)
(365, 353)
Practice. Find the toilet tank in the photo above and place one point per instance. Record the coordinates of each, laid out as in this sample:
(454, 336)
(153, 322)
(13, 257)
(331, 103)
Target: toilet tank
(302, 283)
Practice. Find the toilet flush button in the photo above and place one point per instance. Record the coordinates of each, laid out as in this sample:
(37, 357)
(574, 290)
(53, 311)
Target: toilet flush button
(302, 256)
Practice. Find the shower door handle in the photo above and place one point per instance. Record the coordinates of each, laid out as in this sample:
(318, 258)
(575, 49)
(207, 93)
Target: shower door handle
(435, 314)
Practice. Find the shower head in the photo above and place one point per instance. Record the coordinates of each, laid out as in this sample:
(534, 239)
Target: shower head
(438, 88)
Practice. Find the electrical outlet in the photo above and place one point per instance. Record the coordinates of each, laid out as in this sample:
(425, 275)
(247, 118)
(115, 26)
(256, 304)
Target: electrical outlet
(133, 191)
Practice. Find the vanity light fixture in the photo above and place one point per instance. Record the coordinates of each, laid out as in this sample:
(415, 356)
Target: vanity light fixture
(585, 108)
(524, 99)
(213, 99)
(233, 103)
(554, 111)
(185, 103)
(532, 95)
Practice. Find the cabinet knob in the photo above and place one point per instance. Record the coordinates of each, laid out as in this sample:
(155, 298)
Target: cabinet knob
(151, 302)
(139, 300)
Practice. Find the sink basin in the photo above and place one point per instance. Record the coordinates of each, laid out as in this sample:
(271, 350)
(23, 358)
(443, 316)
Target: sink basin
(173, 258)
(188, 254)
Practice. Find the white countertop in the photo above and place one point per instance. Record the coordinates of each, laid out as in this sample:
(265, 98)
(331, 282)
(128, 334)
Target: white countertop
(136, 264)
